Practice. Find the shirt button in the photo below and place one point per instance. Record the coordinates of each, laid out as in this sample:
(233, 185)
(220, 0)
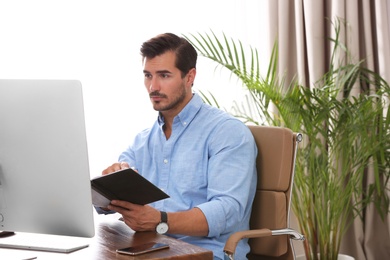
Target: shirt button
(165, 161)
(184, 123)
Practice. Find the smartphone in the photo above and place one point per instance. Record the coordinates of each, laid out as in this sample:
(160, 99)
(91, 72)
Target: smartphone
(142, 249)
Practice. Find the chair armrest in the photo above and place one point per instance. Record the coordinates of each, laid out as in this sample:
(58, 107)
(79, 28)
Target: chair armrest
(289, 231)
(231, 243)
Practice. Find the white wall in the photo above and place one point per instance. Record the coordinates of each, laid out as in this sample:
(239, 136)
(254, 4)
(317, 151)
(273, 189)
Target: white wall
(97, 42)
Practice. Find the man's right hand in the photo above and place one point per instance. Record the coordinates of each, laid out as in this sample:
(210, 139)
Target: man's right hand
(116, 167)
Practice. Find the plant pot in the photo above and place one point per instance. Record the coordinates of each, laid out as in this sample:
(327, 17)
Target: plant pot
(340, 257)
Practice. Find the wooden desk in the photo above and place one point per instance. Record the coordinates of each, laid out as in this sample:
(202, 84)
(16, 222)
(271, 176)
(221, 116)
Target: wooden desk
(112, 234)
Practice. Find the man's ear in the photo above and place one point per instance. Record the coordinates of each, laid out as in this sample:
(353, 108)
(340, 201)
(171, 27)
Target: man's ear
(191, 76)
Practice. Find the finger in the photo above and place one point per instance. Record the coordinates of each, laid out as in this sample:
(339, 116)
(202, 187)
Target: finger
(124, 165)
(113, 168)
(117, 209)
(123, 204)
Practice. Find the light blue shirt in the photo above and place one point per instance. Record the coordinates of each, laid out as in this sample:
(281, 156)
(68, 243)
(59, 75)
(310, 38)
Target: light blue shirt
(208, 162)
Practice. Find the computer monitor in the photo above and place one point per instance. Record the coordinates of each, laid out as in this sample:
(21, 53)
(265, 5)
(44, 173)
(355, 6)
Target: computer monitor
(44, 169)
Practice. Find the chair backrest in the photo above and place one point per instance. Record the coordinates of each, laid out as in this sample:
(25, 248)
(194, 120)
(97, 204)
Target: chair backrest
(271, 206)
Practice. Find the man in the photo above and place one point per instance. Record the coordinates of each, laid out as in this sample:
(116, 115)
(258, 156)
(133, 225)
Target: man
(199, 155)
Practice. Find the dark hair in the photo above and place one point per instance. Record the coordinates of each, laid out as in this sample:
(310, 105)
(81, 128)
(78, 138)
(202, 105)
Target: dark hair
(186, 54)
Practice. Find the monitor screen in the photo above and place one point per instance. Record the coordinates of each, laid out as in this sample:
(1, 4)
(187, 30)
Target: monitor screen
(44, 169)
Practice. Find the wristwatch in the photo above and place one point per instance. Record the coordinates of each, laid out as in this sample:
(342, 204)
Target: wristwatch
(162, 227)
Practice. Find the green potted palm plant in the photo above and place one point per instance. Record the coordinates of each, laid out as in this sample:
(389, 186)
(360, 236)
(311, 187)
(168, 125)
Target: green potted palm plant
(346, 136)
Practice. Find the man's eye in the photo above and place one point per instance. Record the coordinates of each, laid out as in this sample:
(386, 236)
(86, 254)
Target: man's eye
(164, 75)
(148, 76)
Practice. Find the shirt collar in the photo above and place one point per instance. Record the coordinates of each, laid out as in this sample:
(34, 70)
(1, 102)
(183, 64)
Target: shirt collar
(187, 113)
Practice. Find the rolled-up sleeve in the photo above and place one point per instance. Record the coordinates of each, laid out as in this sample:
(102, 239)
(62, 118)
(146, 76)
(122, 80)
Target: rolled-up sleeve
(231, 178)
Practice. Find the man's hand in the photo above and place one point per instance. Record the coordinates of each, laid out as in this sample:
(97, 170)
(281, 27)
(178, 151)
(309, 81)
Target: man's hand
(116, 167)
(137, 217)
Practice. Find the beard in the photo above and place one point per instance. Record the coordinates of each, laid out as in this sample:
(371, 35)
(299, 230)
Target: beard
(172, 104)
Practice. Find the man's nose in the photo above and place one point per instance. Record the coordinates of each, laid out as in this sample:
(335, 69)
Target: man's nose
(154, 85)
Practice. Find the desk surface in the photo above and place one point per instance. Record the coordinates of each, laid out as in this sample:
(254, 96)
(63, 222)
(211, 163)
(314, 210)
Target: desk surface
(112, 234)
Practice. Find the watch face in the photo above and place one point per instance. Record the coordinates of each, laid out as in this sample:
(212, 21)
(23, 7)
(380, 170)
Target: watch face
(162, 228)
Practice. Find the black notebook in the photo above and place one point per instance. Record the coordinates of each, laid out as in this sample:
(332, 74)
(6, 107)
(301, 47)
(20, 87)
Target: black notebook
(127, 185)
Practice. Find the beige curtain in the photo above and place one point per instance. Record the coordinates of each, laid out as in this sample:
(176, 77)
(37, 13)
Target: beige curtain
(302, 28)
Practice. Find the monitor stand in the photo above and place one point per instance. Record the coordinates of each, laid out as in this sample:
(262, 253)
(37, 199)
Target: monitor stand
(42, 242)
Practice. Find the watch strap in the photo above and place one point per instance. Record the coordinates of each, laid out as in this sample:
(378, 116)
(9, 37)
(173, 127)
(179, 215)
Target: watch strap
(164, 217)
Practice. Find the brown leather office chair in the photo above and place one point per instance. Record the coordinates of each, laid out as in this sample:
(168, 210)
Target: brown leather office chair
(269, 234)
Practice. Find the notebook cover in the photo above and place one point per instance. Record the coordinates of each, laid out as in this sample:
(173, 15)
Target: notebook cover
(127, 185)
